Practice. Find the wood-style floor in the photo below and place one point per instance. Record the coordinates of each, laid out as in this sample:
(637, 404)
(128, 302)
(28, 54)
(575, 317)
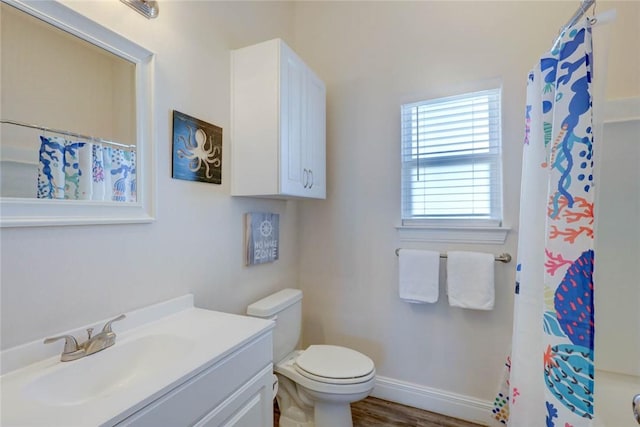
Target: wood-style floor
(373, 412)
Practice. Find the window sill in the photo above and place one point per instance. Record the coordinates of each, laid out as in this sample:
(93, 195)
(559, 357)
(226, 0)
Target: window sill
(453, 234)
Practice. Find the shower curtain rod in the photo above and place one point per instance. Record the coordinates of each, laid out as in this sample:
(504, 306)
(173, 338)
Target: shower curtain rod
(505, 257)
(68, 133)
(584, 6)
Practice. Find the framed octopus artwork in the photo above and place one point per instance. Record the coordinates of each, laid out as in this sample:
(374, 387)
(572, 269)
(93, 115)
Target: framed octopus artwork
(197, 149)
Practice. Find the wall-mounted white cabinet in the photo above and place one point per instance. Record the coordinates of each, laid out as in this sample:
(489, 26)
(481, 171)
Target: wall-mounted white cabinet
(278, 124)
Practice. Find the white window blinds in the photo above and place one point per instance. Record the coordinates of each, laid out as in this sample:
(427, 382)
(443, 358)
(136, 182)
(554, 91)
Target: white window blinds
(451, 161)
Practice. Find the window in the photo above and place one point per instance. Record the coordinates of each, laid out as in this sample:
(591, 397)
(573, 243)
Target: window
(451, 160)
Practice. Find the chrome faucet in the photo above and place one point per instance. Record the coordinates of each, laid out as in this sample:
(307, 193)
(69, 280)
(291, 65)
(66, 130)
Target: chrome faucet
(93, 344)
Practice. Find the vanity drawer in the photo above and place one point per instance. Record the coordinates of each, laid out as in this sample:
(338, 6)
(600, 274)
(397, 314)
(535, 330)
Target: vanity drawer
(204, 393)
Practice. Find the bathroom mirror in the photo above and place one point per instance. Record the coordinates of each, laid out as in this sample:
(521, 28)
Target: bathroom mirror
(70, 89)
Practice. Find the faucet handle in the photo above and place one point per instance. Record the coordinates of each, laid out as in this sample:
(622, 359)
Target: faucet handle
(70, 343)
(107, 326)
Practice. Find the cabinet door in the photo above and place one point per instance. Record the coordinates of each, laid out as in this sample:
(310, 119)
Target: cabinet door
(315, 146)
(250, 406)
(249, 415)
(293, 173)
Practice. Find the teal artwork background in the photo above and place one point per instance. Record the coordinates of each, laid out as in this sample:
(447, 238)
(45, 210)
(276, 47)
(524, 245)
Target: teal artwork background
(197, 149)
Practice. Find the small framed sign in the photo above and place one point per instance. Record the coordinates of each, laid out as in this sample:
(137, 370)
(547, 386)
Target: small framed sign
(262, 230)
(197, 149)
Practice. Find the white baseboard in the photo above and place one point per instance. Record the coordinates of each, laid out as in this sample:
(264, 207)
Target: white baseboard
(433, 400)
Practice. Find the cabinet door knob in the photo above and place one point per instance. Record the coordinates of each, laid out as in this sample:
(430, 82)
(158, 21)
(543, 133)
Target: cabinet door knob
(305, 178)
(311, 176)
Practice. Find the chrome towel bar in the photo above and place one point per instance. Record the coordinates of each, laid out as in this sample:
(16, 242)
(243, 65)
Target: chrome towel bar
(504, 257)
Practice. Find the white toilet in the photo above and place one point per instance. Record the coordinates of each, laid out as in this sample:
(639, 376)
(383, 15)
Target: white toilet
(315, 386)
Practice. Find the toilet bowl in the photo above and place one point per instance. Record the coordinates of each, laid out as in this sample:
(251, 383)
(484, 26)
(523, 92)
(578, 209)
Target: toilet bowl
(319, 391)
(316, 386)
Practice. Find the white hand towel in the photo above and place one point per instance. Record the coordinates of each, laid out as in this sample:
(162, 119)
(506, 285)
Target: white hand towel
(470, 280)
(419, 272)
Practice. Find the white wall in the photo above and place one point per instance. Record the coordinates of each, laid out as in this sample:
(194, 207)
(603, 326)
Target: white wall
(374, 56)
(617, 251)
(57, 278)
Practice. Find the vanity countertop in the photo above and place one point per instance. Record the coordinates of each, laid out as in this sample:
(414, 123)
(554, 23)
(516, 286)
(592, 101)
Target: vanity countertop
(157, 349)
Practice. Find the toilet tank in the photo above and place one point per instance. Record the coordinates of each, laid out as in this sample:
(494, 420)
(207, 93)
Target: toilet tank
(285, 308)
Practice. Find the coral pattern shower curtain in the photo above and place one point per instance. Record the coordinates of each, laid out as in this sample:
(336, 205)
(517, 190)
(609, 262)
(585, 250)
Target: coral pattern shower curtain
(551, 382)
(76, 170)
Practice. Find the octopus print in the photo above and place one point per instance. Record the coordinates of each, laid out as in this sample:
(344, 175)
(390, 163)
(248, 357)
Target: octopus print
(197, 149)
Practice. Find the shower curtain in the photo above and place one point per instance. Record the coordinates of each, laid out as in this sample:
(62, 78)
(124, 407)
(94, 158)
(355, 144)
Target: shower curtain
(551, 378)
(76, 170)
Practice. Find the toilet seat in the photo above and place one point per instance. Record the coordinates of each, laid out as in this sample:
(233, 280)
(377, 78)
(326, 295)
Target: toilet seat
(287, 368)
(334, 365)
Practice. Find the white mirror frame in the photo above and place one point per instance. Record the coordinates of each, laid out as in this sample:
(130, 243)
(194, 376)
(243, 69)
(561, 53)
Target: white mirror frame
(19, 212)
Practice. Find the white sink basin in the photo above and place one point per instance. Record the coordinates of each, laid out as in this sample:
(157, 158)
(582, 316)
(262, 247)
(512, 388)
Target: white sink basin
(108, 371)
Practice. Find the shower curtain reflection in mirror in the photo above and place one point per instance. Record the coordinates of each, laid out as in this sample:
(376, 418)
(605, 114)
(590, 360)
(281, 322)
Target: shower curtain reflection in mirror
(75, 170)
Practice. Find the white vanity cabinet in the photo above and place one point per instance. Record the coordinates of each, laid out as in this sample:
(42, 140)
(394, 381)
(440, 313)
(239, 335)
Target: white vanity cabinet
(235, 392)
(172, 365)
(278, 124)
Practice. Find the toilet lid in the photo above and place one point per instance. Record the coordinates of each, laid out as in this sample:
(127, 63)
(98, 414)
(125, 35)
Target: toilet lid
(331, 361)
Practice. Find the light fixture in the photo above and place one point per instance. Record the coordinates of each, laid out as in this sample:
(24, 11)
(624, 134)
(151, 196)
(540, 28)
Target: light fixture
(148, 8)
